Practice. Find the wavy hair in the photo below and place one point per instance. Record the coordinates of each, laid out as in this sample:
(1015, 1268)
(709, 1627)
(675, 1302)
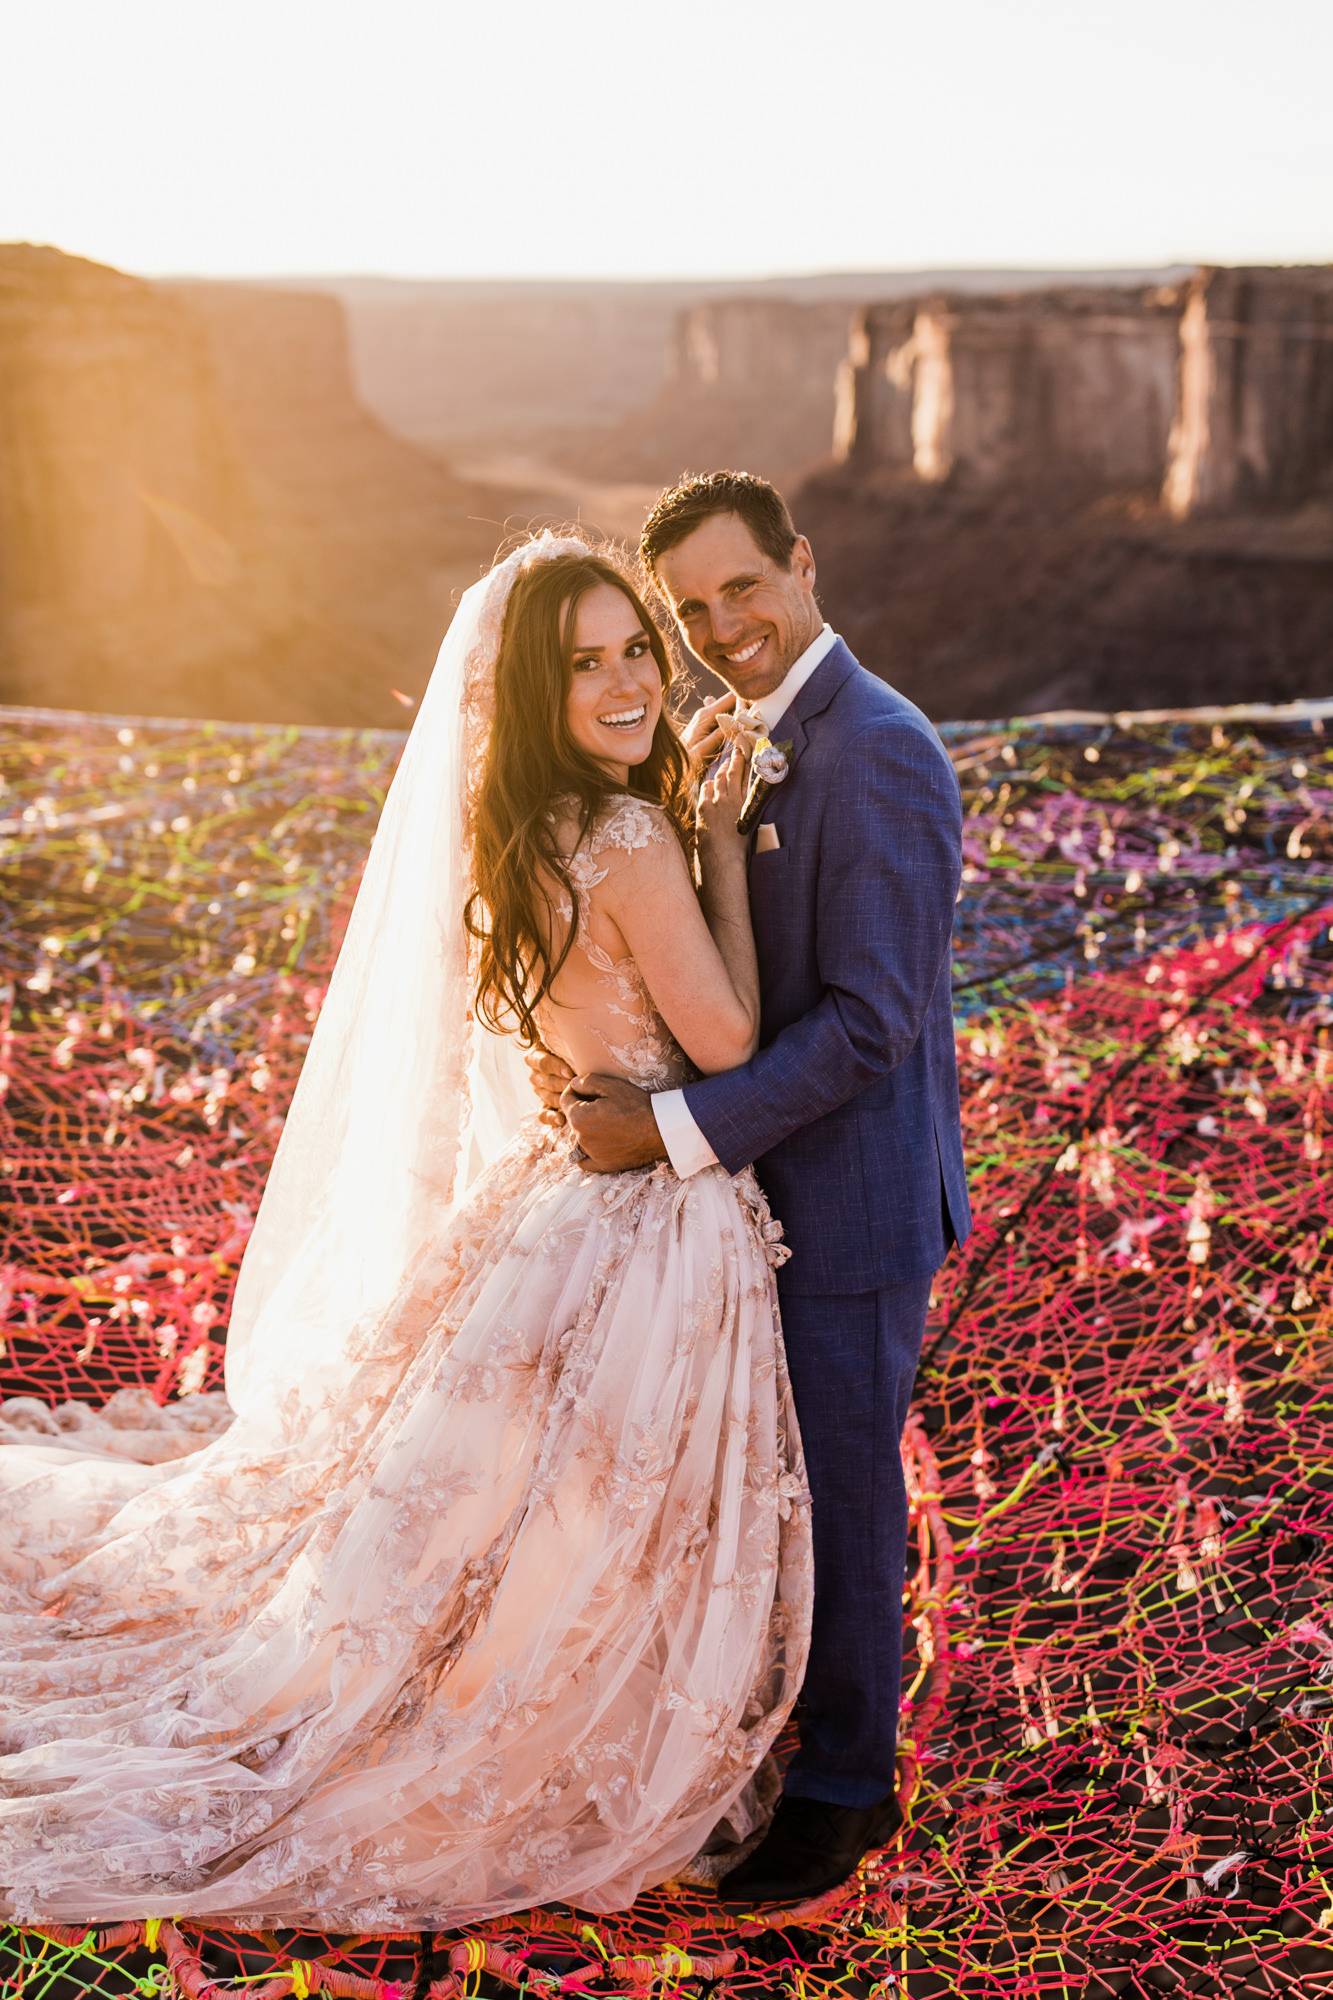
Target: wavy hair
(531, 762)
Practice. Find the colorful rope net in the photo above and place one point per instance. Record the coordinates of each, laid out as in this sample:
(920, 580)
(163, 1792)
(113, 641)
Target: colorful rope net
(1115, 1745)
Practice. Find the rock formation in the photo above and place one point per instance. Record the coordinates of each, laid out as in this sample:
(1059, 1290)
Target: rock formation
(376, 538)
(750, 382)
(1087, 497)
(196, 515)
(1254, 424)
(482, 369)
(127, 522)
(1077, 384)
(1218, 392)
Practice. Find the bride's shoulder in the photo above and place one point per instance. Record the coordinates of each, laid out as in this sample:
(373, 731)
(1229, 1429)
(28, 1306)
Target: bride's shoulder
(622, 822)
(625, 849)
(626, 823)
(631, 855)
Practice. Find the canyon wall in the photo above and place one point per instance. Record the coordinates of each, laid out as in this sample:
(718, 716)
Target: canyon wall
(749, 382)
(1097, 494)
(126, 515)
(1211, 388)
(477, 370)
(1218, 392)
(197, 517)
(1254, 423)
(1078, 383)
(375, 538)
(1096, 498)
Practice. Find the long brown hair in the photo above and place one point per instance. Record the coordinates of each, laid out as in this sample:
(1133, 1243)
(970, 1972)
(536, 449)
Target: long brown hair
(532, 761)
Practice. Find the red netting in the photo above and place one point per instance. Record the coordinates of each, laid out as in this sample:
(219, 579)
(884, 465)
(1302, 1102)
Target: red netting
(1123, 1447)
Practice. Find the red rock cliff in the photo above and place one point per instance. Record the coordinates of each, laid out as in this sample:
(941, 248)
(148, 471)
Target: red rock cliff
(1254, 422)
(1077, 383)
(126, 516)
(196, 515)
(750, 383)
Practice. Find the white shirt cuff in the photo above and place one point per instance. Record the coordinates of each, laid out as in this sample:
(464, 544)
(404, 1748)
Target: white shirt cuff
(687, 1149)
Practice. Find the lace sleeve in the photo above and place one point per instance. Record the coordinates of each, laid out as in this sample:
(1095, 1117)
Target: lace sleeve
(627, 823)
(623, 825)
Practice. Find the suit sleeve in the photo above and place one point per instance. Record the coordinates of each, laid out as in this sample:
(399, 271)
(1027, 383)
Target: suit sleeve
(889, 867)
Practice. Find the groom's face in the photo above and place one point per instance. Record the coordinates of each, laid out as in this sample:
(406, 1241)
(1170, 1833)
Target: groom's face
(741, 613)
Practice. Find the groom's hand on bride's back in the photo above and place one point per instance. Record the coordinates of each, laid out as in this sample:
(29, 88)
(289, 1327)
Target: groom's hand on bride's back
(613, 1122)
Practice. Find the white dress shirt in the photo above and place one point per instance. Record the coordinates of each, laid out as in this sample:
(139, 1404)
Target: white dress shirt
(687, 1149)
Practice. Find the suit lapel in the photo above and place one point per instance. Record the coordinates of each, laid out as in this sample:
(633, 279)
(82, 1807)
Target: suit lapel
(837, 666)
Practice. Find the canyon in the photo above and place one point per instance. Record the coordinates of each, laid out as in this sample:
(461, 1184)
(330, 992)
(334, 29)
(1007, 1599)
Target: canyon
(199, 517)
(1088, 496)
(260, 501)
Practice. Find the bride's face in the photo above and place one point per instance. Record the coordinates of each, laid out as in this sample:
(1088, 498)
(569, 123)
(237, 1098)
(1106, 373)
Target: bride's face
(615, 690)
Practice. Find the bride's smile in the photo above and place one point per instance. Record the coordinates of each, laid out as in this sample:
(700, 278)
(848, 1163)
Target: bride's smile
(615, 691)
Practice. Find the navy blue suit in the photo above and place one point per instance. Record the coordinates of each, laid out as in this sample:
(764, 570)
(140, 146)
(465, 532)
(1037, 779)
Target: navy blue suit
(849, 1112)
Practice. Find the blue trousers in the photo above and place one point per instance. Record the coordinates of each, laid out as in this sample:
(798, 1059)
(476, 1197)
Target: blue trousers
(852, 1358)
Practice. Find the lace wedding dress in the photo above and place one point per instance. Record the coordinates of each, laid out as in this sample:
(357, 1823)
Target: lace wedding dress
(506, 1608)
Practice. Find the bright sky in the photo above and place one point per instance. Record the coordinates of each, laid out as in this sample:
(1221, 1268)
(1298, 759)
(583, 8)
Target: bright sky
(699, 137)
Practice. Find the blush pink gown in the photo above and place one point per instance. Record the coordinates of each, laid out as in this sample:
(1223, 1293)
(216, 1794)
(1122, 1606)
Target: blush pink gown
(515, 1619)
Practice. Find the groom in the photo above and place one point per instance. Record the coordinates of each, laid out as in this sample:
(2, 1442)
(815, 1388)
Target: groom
(849, 1112)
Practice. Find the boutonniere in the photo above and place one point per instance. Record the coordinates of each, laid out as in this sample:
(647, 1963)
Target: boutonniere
(768, 768)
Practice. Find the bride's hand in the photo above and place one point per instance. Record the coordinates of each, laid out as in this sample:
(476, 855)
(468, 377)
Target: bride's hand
(702, 738)
(550, 1075)
(720, 800)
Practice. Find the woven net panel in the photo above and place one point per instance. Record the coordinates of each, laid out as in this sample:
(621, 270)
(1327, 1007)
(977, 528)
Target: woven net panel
(1126, 1394)
(172, 903)
(1120, 1621)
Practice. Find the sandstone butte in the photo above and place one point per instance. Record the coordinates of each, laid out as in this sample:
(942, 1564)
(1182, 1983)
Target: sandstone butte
(197, 515)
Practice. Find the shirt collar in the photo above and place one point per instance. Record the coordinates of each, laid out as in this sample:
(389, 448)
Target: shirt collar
(772, 707)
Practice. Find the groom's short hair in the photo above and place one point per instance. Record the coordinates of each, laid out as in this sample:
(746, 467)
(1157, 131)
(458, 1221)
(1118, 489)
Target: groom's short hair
(691, 502)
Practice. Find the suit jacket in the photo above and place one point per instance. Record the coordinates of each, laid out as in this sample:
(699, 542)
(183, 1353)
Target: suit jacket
(849, 1110)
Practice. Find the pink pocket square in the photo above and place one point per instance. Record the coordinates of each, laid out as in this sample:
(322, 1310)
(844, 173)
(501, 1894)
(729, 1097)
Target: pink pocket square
(766, 839)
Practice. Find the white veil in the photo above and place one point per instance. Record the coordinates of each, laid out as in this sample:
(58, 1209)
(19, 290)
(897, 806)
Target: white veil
(402, 1097)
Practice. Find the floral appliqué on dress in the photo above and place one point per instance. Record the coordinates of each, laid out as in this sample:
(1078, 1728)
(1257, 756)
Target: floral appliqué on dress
(512, 1615)
(634, 1035)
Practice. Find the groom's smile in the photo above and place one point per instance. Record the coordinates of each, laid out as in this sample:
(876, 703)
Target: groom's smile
(741, 613)
(747, 653)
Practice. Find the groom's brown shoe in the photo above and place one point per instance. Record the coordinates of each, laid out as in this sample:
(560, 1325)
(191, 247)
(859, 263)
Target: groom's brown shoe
(809, 1849)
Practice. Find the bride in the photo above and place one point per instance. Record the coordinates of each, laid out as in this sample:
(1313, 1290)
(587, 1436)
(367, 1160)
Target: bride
(497, 1589)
